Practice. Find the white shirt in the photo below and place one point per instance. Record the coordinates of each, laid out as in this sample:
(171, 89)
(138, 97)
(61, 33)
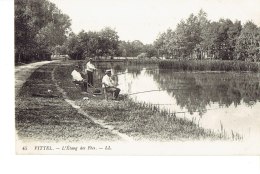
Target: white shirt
(107, 80)
(76, 76)
(90, 67)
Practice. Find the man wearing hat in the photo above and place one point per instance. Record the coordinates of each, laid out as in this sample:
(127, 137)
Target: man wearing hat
(89, 70)
(77, 78)
(109, 85)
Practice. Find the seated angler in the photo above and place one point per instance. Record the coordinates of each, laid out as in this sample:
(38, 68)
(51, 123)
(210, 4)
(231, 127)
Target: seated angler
(77, 79)
(109, 85)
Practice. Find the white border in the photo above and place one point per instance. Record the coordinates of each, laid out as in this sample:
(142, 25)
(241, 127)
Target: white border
(11, 163)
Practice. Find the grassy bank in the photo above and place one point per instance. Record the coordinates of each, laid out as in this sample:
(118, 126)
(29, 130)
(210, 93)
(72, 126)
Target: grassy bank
(201, 65)
(134, 119)
(45, 116)
(144, 123)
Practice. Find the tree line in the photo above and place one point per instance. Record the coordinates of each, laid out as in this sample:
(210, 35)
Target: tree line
(42, 30)
(199, 38)
(40, 27)
(104, 44)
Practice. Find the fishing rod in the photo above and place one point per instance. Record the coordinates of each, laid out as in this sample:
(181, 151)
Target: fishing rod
(183, 112)
(155, 90)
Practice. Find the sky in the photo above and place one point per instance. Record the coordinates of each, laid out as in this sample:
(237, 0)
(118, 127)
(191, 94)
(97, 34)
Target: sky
(144, 19)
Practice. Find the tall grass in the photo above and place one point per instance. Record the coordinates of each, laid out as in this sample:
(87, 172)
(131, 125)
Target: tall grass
(200, 65)
(171, 117)
(209, 65)
(144, 121)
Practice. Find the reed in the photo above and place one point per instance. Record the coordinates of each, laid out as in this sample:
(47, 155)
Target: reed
(170, 118)
(209, 65)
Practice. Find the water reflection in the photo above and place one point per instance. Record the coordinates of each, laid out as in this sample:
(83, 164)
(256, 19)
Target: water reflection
(213, 99)
(201, 89)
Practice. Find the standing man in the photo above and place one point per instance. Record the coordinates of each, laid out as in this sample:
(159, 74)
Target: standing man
(89, 70)
(109, 85)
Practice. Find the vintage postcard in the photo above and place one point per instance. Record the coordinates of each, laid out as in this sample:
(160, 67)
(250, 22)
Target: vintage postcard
(147, 77)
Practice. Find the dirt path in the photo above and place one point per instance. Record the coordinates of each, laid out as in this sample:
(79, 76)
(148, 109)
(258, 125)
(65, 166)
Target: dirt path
(23, 72)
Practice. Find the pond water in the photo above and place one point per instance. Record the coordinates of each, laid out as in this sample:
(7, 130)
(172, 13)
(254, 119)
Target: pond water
(215, 100)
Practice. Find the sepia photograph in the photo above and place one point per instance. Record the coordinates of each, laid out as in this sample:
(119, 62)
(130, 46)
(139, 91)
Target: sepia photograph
(129, 77)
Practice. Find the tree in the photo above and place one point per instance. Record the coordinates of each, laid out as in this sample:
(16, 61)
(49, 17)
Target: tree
(210, 39)
(24, 32)
(130, 49)
(137, 48)
(39, 28)
(73, 47)
(233, 34)
(122, 49)
(91, 44)
(108, 42)
(198, 38)
(150, 50)
(202, 49)
(188, 36)
(247, 45)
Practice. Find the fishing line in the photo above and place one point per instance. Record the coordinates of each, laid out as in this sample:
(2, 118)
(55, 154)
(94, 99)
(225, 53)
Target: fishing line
(183, 112)
(155, 90)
